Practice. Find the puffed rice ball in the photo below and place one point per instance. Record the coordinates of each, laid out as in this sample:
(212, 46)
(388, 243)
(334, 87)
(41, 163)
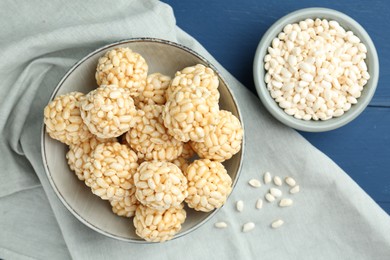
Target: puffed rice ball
(79, 154)
(199, 76)
(124, 68)
(209, 184)
(154, 92)
(190, 113)
(108, 111)
(149, 137)
(158, 226)
(182, 163)
(125, 206)
(160, 185)
(188, 152)
(224, 142)
(112, 165)
(63, 121)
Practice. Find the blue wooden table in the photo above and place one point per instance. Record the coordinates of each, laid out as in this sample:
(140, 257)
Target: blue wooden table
(231, 30)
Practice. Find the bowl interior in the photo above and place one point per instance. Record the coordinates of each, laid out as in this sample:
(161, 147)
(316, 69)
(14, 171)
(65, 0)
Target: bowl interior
(348, 24)
(161, 56)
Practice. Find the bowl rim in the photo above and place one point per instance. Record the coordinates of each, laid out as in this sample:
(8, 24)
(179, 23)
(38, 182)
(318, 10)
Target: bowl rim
(259, 72)
(57, 88)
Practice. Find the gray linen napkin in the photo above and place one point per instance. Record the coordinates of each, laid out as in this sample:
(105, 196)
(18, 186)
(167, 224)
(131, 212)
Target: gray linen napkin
(332, 218)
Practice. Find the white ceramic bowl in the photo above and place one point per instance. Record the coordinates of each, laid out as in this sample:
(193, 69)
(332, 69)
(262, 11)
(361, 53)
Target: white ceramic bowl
(162, 56)
(315, 126)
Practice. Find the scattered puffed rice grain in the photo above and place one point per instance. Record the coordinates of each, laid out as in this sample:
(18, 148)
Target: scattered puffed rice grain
(285, 202)
(277, 223)
(248, 227)
(267, 177)
(255, 183)
(275, 192)
(259, 203)
(240, 206)
(295, 189)
(269, 197)
(220, 224)
(278, 181)
(290, 181)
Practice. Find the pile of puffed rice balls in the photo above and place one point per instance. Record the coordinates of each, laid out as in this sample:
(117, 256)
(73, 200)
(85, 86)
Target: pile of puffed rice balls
(133, 141)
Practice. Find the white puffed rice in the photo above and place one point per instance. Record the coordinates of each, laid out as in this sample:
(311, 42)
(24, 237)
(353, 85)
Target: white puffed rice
(259, 204)
(199, 76)
(125, 206)
(79, 154)
(112, 166)
(224, 142)
(278, 181)
(317, 71)
(275, 192)
(248, 227)
(277, 223)
(124, 68)
(209, 185)
(158, 226)
(240, 206)
(160, 185)
(267, 177)
(220, 224)
(285, 202)
(269, 197)
(154, 92)
(290, 181)
(149, 137)
(254, 183)
(63, 121)
(191, 113)
(108, 111)
(294, 189)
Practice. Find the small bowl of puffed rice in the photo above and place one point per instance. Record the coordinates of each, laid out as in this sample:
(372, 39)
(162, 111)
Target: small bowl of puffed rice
(143, 140)
(316, 69)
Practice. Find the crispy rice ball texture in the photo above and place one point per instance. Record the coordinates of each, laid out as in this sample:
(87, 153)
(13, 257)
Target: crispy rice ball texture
(111, 167)
(158, 226)
(154, 92)
(224, 141)
(79, 154)
(209, 185)
(125, 206)
(160, 185)
(191, 113)
(124, 68)
(63, 121)
(149, 137)
(198, 75)
(108, 111)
